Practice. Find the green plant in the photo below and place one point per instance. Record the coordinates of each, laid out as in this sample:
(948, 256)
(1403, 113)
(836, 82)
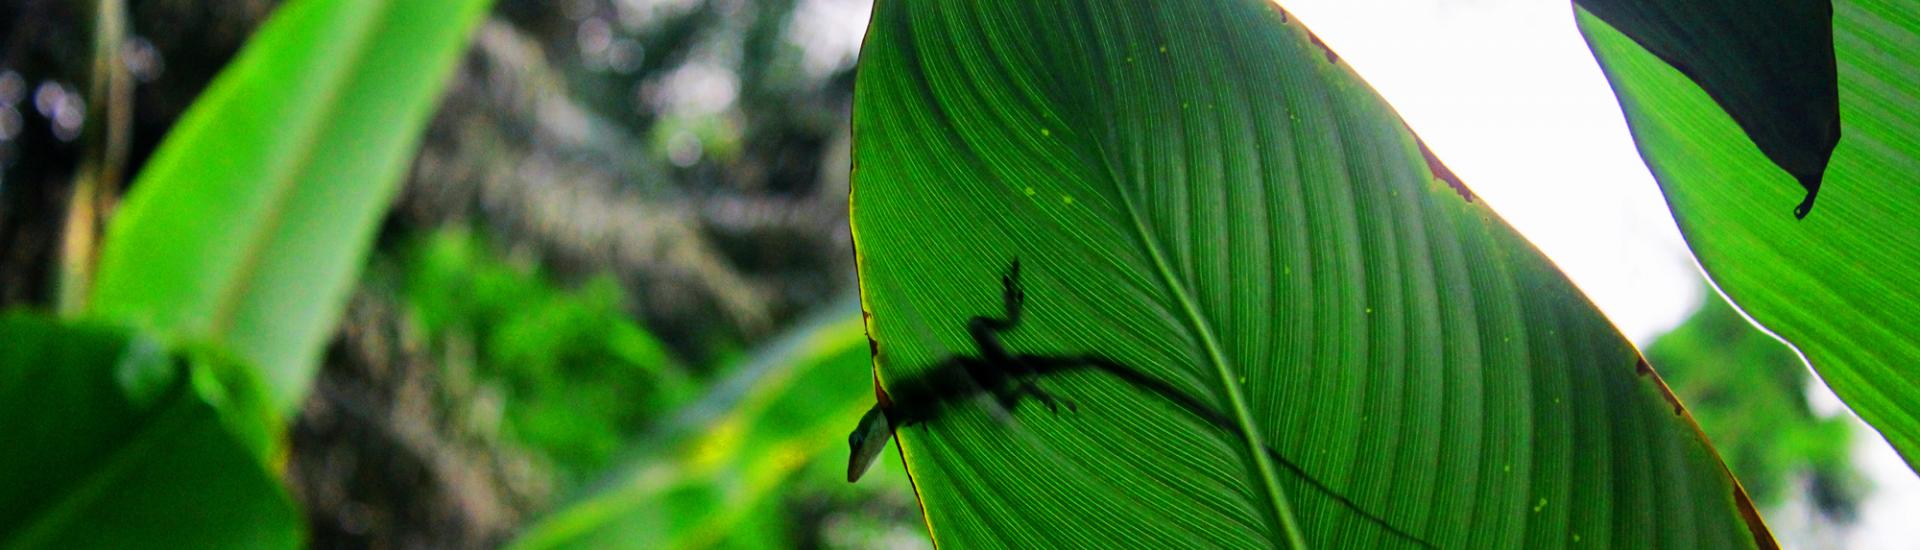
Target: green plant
(578, 378)
(1258, 311)
(249, 224)
(1838, 284)
(1204, 195)
(1161, 171)
(711, 477)
(229, 261)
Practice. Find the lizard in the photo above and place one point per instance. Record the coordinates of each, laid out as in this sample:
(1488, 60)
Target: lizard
(1009, 378)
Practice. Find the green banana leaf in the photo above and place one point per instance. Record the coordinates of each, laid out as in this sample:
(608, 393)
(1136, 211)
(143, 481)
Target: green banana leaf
(112, 442)
(1843, 284)
(247, 227)
(718, 468)
(1263, 313)
(1769, 64)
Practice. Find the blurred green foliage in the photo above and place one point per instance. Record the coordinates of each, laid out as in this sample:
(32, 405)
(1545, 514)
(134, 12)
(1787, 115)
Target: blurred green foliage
(1748, 391)
(576, 375)
(153, 416)
(880, 511)
(758, 462)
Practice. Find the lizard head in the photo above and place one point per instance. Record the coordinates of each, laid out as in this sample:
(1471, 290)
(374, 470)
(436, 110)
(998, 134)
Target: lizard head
(866, 442)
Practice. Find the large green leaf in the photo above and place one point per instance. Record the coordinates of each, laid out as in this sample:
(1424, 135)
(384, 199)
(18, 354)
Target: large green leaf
(1842, 285)
(1315, 328)
(700, 480)
(249, 223)
(114, 443)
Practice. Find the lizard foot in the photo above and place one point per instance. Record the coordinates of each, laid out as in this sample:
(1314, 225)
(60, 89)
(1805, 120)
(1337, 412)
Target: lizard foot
(1011, 398)
(1011, 293)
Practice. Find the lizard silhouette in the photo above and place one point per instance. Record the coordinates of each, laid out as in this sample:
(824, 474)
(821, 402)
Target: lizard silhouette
(1009, 378)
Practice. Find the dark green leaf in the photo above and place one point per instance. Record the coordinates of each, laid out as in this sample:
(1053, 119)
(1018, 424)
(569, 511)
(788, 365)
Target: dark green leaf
(114, 443)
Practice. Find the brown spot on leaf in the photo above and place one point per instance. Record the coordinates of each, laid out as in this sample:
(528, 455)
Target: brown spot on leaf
(880, 394)
(1762, 537)
(1440, 170)
(873, 349)
(1643, 369)
(1331, 57)
(1277, 11)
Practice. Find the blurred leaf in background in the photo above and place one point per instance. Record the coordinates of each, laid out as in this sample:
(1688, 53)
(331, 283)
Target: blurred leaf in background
(248, 226)
(1749, 393)
(759, 462)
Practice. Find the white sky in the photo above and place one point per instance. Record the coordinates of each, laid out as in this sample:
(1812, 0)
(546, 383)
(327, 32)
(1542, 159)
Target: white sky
(1508, 95)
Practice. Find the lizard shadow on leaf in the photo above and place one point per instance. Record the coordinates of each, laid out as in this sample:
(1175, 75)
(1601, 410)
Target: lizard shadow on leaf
(1009, 378)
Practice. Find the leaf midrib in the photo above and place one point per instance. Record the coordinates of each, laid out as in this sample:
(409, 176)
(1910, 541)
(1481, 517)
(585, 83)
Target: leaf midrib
(1243, 418)
(227, 304)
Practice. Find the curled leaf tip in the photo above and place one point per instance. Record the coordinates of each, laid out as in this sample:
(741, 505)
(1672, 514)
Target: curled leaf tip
(1806, 205)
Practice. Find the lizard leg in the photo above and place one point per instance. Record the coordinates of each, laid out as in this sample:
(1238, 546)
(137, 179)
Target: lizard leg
(1010, 397)
(1011, 296)
(986, 330)
(1053, 402)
